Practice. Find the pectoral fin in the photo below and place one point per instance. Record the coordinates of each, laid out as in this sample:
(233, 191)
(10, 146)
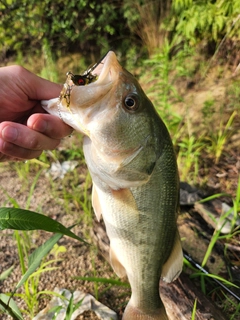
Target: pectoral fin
(116, 265)
(173, 266)
(96, 203)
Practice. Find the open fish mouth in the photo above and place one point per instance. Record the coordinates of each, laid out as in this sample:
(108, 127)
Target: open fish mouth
(80, 93)
(96, 73)
(99, 73)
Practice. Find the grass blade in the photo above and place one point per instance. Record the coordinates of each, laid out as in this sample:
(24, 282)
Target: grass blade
(8, 305)
(103, 280)
(216, 278)
(4, 275)
(69, 310)
(36, 257)
(194, 310)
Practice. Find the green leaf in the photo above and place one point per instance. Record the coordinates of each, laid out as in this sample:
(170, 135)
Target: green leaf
(6, 273)
(70, 309)
(36, 257)
(20, 219)
(7, 304)
(55, 311)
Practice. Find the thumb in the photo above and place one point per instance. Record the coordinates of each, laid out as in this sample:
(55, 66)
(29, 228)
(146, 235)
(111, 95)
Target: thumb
(35, 87)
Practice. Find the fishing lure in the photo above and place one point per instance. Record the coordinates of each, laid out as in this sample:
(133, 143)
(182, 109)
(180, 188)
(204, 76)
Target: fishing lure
(82, 80)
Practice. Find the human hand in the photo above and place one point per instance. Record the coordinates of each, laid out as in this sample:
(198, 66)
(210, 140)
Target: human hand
(25, 129)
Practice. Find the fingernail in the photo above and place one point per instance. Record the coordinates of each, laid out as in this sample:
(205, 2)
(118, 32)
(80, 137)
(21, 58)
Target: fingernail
(40, 126)
(10, 134)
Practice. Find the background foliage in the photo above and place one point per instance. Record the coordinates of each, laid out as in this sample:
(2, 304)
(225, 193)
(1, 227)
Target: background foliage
(205, 19)
(97, 25)
(67, 26)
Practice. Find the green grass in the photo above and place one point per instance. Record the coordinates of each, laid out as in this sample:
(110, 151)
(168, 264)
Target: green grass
(221, 137)
(194, 310)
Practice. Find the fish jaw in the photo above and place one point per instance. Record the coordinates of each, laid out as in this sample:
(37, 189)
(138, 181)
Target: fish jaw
(55, 107)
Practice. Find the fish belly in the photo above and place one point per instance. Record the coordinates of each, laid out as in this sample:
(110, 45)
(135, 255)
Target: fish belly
(141, 239)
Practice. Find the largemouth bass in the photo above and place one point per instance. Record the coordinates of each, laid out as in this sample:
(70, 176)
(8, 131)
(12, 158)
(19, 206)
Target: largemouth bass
(131, 159)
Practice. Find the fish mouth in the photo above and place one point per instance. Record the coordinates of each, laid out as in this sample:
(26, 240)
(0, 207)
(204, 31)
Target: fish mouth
(99, 78)
(103, 71)
(97, 73)
(79, 103)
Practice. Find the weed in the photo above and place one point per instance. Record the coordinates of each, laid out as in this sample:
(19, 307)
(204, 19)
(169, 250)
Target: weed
(72, 307)
(160, 87)
(66, 304)
(22, 219)
(22, 170)
(161, 66)
(11, 218)
(219, 139)
(5, 274)
(236, 205)
(190, 146)
(188, 158)
(31, 294)
(233, 95)
(9, 307)
(194, 310)
(208, 108)
(234, 217)
(86, 203)
(103, 281)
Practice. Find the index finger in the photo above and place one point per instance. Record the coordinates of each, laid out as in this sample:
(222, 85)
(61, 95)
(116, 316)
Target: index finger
(49, 125)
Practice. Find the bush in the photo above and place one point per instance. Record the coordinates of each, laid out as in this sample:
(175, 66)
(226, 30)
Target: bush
(67, 26)
(204, 19)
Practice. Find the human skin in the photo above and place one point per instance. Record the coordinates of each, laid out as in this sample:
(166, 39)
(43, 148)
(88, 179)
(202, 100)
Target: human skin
(25, 128)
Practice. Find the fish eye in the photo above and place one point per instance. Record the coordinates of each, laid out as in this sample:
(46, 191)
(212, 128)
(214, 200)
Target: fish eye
(131, 102)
